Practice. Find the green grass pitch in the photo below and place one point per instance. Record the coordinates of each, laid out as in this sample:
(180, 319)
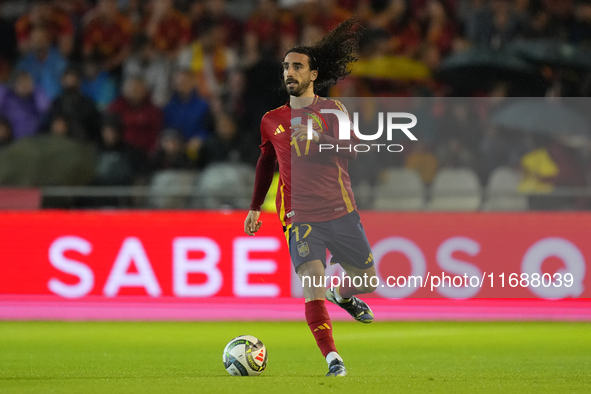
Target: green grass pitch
(45, 357)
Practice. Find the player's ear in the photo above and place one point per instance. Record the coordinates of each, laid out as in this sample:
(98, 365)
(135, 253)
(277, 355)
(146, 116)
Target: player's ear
(313, 75)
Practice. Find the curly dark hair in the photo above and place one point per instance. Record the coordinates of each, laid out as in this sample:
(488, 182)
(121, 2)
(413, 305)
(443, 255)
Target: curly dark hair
(333, 53)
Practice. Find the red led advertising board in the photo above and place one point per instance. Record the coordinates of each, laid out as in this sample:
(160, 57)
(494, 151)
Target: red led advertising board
(180, 255)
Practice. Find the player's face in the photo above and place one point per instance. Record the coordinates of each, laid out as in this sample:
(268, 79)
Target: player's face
(297, 74)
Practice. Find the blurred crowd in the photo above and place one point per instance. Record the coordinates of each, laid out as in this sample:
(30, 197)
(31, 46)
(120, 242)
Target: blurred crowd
(164, 84)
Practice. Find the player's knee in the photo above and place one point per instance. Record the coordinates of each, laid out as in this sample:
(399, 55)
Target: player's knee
(370, 286)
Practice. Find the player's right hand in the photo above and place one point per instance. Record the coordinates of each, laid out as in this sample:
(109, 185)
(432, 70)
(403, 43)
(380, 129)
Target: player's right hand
(252, 223)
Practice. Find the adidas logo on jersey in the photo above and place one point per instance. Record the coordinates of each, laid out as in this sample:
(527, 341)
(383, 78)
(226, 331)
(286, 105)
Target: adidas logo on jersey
(279, 129)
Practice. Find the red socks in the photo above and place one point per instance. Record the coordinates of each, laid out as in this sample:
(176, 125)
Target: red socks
(347, 290)
(319, 323)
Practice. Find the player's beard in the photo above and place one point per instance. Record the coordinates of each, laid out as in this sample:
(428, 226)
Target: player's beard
(299, 89)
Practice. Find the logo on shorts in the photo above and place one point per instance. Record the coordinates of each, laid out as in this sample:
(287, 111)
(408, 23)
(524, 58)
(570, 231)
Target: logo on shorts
(303, 249)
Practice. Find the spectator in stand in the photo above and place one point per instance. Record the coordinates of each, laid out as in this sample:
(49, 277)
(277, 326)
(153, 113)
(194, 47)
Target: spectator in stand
(6, 136)
(80, 110)
(538, 174)
(117, 162)
(197, 13)
(570, 173)
(59, 126)
(551, 164)
(171, 153)
(395, 17)
(44, 15)
(155, 68)
(439, 28)
(23, 105)
(311, 34)
(98, 84)
(74, 9)
(44, 62)
(582, 30)
(187, 112)
(422, 160)
(350, 5)
(494, 25)
(431, 57)
(460, 120)
(142, 121)
(213, 12)
(453, 153)
(418, 7)
(212, 62)
(562, 20)
(225, 145)
(107, 36)
(553, 19)
(327, 14)
(168, 29)
(133, 10)
(269, 31)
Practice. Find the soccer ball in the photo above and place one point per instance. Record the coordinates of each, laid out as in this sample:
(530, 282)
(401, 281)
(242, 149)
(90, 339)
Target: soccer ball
(245, 356)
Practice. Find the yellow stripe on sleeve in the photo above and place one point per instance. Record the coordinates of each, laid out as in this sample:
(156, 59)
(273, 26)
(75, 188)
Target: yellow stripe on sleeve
(345, 194)
(282, 210)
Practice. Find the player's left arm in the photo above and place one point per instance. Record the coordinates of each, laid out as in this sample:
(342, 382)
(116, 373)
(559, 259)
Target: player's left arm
(263, 178)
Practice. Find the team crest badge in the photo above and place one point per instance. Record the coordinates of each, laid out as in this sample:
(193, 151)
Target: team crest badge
(303, 249)
(316, 125)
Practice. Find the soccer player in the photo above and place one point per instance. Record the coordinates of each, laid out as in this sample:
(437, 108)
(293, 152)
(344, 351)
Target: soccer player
(314, 200)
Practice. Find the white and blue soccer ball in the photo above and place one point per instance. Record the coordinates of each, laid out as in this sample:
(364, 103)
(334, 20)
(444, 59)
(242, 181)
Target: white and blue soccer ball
(245, 356)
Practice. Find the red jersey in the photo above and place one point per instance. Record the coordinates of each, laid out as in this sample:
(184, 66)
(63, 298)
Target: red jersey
(173, 31)
(59, 25)
(141, 124)
(107, 38)
(314, 185)
(269, 31)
